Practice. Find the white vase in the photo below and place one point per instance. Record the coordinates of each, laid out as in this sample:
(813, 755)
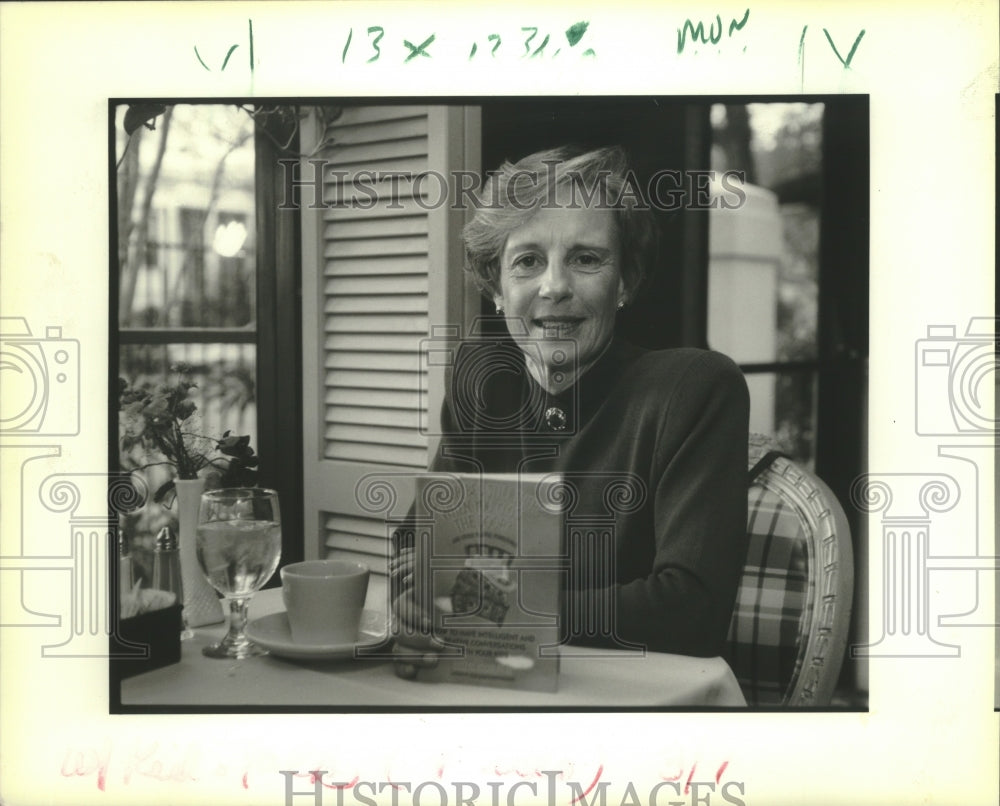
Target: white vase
(201, 604)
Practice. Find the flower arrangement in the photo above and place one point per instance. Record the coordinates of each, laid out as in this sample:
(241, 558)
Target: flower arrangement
(162, 420)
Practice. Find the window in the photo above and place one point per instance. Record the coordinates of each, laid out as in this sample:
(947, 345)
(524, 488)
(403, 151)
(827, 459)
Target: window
(190, 290)
(763, 271)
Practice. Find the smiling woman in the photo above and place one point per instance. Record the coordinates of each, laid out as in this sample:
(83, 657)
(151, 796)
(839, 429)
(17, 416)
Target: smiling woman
(566, 395)
(559, 276)
(553, 258)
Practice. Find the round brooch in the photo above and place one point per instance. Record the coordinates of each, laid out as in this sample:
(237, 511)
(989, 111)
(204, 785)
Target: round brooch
(555, 418)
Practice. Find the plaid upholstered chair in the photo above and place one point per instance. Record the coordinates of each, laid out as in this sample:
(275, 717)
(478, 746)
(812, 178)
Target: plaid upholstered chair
(793, 606)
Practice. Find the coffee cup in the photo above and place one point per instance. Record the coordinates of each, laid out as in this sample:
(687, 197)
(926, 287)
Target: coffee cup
(324, 600)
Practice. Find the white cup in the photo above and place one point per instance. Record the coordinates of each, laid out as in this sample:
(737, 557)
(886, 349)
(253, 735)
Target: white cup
(324, 600)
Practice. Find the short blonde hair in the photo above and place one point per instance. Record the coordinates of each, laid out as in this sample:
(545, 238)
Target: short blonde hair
(560, 176)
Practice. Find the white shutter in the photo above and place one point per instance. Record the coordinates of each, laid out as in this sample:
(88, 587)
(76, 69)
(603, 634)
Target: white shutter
(376, 275)
(375, 264)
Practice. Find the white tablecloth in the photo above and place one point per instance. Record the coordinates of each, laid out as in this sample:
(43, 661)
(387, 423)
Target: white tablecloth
(604, 679)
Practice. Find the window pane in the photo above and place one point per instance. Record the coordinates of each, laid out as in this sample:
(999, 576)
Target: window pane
(795, 415)
(764, 259)
(224, 374)
(798, 285)
(186, 219)
(186, 202)
(783, 407)
(225, 395)
(744, 277)
(763, 256)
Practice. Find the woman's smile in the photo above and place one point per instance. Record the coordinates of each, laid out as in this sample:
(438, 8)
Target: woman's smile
(557, 326)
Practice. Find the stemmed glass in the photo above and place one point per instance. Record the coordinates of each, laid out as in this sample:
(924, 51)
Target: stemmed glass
(239, 546)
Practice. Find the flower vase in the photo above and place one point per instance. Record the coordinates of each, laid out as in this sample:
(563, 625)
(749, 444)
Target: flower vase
(201, 604)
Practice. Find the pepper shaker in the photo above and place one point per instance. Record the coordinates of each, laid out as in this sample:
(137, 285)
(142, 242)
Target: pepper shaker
(167, 564)
(125, 570)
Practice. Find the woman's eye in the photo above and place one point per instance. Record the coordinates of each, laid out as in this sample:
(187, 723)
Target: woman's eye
(526, 263)
(588, 261)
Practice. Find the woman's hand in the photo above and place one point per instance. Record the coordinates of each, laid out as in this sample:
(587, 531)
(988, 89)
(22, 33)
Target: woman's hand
(401, 568)
(415, 647)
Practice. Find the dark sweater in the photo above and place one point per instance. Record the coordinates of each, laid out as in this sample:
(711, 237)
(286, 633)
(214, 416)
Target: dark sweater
(655, 442)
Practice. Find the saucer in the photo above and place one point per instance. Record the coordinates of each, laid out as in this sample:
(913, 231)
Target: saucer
(275, 635)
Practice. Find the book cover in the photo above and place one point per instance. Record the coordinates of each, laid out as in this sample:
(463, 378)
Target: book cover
(490, 568)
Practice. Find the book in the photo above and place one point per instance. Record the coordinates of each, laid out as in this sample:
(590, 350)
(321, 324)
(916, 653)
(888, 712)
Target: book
(490, 565)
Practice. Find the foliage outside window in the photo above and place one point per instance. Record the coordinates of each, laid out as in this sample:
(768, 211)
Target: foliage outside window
(778, 146)
(187, 275)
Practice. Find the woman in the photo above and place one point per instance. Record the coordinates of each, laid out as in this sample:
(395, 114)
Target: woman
(561, 246)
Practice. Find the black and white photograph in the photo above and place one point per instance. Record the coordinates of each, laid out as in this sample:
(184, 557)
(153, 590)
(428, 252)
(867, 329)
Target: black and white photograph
(554, 393)
(442, 404)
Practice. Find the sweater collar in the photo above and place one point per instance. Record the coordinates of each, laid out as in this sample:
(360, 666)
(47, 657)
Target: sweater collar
(574, 406)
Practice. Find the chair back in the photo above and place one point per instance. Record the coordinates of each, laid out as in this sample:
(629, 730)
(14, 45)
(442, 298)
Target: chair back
(793, 607)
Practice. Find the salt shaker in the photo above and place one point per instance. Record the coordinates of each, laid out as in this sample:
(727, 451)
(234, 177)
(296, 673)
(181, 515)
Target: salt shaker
(167, 564)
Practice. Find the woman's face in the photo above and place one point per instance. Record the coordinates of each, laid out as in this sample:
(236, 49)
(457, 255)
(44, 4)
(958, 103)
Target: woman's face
(560, 274)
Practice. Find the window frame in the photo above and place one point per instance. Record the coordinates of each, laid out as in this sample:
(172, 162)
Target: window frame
(277, 337)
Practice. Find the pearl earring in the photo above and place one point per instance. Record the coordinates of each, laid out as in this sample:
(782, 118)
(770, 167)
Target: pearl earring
(621, 304)
(499, 309)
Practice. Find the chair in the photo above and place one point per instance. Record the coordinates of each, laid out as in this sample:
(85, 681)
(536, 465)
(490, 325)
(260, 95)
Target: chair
(793, 607)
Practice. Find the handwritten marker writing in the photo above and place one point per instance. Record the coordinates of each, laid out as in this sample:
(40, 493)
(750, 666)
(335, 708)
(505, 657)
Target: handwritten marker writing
(696, 32)
(418, 50)
(846, 62)
(231, 51)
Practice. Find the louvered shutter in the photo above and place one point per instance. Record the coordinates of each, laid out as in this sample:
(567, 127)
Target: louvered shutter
(377, 274)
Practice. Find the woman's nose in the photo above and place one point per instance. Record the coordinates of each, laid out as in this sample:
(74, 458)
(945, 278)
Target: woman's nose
(555, 281)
